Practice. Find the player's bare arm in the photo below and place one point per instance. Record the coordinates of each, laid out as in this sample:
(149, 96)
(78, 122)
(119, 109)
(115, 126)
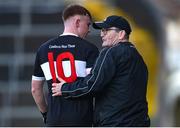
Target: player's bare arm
(38, 95)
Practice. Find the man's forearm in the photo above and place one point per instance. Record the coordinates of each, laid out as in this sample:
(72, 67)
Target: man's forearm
(40, 100)
(38, 95)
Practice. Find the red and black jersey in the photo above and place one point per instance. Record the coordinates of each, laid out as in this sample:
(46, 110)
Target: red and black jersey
(68, 57)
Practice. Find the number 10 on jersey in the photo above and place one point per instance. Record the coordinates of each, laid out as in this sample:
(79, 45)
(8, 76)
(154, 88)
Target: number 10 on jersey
(59, 66)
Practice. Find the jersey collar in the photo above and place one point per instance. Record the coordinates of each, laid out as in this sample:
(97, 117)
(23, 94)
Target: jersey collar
(68, 33)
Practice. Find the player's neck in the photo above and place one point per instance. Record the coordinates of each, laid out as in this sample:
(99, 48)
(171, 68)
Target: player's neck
(70, 30)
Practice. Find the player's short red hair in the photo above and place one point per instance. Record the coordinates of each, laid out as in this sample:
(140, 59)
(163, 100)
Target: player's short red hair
(75, 9)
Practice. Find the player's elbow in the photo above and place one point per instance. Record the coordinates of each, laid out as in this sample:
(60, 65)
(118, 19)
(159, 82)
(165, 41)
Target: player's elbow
(36, 86)
(33, 90)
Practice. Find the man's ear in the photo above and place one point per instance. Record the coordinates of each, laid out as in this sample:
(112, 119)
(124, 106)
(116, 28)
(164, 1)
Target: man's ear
(77, 22)
(122, 34)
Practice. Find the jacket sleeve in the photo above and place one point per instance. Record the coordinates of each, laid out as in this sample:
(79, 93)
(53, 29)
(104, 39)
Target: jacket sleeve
(100, 76)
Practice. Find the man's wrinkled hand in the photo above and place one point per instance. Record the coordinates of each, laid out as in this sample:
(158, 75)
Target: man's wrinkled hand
(56, 87)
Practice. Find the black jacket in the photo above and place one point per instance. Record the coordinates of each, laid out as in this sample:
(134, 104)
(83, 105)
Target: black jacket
(119, 82)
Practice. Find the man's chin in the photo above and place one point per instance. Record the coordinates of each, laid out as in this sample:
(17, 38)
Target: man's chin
(104, 44)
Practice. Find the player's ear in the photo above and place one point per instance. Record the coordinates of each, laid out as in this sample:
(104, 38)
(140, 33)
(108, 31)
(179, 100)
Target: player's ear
(77, 21)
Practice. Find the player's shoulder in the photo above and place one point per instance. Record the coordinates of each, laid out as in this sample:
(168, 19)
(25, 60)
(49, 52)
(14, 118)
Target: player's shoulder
(46, 43)
(83, 42)
(89, 44)
(49, 41)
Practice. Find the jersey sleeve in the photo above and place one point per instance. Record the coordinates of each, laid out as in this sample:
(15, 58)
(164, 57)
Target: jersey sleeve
(101, 74)
(38, 73)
